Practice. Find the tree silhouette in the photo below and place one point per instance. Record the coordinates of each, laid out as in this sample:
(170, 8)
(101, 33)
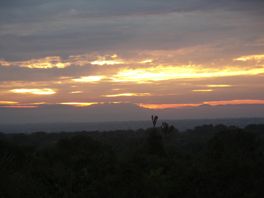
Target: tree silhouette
(154, 119)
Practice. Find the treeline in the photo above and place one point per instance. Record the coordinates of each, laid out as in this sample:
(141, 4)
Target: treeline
(207, 161)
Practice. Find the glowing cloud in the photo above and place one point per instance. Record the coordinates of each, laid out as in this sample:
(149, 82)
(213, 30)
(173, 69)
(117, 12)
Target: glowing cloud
(76, 92)
(146, 61)
(202, 90)
(78, 104)
(88, 79)
(219, 86)
(161, 73)
(105, 60)
(234, 102)
(127, 95)
(166, 106)
(45, 91)
(44, 63)
(4, 63)
(211, 103)
(259, 57)
(8, 102)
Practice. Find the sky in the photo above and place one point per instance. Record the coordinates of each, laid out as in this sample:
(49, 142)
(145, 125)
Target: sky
(131, 58)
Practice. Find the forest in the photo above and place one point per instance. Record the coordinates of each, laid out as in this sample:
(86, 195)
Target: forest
(159, 162)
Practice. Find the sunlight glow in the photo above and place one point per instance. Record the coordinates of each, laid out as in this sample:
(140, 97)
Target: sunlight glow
(219, 86)
(234, 102)
(44, 63)
(166, 106)
(202, 90)
(160, 73)
(4, 63)
(259, 57)
(79, 104)
(88, 79)
(211, 103)
(146, 61)
(76, 92)
(106, 60)
(8, 102)
(45, 91)
(127, 95)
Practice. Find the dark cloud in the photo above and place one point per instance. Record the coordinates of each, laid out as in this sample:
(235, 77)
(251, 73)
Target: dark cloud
(39, 24)
(29, 75)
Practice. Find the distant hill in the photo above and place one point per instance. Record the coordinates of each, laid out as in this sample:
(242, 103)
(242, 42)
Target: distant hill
(108, 126)
(123, 112)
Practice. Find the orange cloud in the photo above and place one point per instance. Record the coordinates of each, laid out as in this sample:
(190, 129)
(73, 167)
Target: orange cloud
(106, 60)
(45, 91)
(76, 92)
(219, 86)
(202, 90)
(127, 95)
(4, 63)
(233, 102)
(43, 63)
(258, 57)
(89, 79)
(78, 104)
(166, 106)
(211, 103)
(161, 73)
(146, 61)
(8, 102)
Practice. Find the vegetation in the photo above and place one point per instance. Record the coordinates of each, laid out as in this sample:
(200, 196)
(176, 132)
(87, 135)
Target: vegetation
(207, 161)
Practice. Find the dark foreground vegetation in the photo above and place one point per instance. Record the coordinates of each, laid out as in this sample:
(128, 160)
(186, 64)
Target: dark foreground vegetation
(208, 161)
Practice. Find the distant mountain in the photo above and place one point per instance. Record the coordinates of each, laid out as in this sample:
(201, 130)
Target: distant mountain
(122, 112)
(125, 125)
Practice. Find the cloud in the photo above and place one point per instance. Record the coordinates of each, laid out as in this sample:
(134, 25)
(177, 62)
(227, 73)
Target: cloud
(8, 102)
(161, 73)
(60, 28)
(127, 95)
(89, 79)
(44, 91)
(258, 58)
(79, 104)
(211, 103)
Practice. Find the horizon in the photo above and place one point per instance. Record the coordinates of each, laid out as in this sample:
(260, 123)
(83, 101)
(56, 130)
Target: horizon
(183, 125)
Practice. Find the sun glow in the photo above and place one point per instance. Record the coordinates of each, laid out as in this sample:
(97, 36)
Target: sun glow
(166, 106)
(161, 73)
(211, 103)
(79, 104)
(219, 86)
(76, 92)
(44, 63)
(146, 61)
(88, 79)
(234, 102)
(259, 57)
(202, 90)
(45, 91)
(127, 95)
(8, 102)
(106, 60)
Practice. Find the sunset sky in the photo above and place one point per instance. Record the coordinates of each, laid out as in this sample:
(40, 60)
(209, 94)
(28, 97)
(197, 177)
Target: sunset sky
(148, 54)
